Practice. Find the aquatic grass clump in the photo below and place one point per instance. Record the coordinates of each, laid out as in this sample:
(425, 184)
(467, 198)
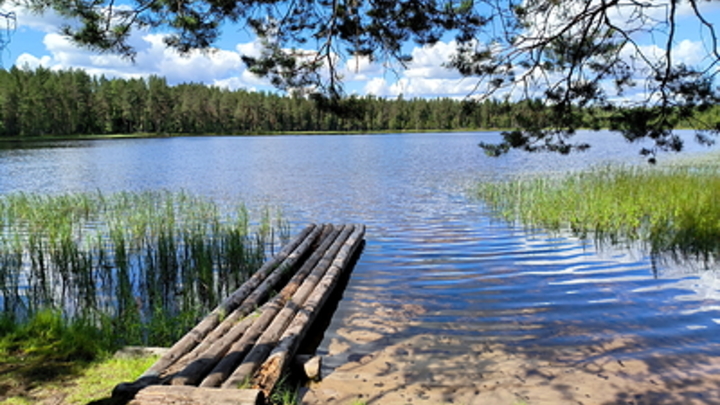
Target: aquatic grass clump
(140, 266)
(674, 210)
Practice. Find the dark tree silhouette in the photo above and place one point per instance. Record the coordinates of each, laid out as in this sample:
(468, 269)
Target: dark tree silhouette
(7, 27)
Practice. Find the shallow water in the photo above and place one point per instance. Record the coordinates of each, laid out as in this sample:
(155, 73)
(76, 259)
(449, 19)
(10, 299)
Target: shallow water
(436, 263)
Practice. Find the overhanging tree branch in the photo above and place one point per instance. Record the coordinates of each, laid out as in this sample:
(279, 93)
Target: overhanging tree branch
(587, 61)
(8, 21)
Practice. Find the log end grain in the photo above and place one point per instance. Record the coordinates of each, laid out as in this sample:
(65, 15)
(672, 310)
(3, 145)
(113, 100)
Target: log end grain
(309, 366)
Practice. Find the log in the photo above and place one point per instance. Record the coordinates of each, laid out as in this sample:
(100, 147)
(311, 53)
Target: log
(168, 395)
(235, 349)
(196, 370)
(309, 298)
(196, 335)
(125, 391)
(308, 366)
(194, 365)
(250, 330)
(247, 349)
(273, 368)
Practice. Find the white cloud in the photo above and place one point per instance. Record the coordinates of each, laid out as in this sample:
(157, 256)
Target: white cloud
(427, 61)
(424, 77)
(65, 54)
(48, 21)
(217, 67)
(361, 69)
(31, 62)
(377, 86)
(690, 53)
(252, 79)
(411, 87)
(233, 83)
(687, 52)
(252, 49)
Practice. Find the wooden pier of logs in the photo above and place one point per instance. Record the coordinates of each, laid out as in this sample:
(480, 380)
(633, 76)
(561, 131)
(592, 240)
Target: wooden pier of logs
(238, 353)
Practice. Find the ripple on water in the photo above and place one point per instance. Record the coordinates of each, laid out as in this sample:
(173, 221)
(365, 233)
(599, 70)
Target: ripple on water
(480, 285)
(443, 293)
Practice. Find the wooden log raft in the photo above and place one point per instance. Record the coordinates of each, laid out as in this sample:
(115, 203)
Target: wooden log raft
(246, 341)
(271, 369)
(248, 329)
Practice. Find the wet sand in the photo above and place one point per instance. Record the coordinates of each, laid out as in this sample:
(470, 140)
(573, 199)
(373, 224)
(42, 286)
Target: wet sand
(369, 368)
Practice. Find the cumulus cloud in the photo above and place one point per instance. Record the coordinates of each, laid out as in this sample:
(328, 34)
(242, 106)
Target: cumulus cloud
(690, 53)
(428, 61)
(360, 68)
(424, 87)
(686, 52)
(27, 61)
(425, 76)
(48, 21)
(377, 86)
(411, 87)
(252, 49)
(216, 67)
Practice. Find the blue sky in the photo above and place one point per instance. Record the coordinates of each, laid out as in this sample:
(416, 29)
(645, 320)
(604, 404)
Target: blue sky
(36, 41)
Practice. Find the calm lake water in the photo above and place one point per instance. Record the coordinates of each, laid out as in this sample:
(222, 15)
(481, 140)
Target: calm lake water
(434, 254)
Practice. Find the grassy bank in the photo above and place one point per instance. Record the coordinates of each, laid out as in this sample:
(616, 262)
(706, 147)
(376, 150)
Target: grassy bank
(673, 210)
(52, 360)
(84, 274)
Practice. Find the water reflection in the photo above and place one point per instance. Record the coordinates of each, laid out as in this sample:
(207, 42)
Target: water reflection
(446, 303)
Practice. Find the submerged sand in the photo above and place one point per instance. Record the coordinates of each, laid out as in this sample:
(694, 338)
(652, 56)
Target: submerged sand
(367, 367)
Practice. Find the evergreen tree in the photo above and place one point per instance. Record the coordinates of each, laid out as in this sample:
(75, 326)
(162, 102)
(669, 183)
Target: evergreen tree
(573, 54)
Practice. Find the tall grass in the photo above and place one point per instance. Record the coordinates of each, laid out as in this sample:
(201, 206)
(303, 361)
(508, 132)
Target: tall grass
(142, 267)
(673, 210)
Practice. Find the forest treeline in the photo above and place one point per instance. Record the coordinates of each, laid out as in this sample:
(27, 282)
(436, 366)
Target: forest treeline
(44, 102)
(71, 102)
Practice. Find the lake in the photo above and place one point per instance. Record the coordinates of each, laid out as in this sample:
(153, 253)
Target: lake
(447, 303)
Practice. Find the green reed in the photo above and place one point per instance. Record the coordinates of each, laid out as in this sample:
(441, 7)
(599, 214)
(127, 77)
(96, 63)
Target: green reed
(143, 267)
(673, 210)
